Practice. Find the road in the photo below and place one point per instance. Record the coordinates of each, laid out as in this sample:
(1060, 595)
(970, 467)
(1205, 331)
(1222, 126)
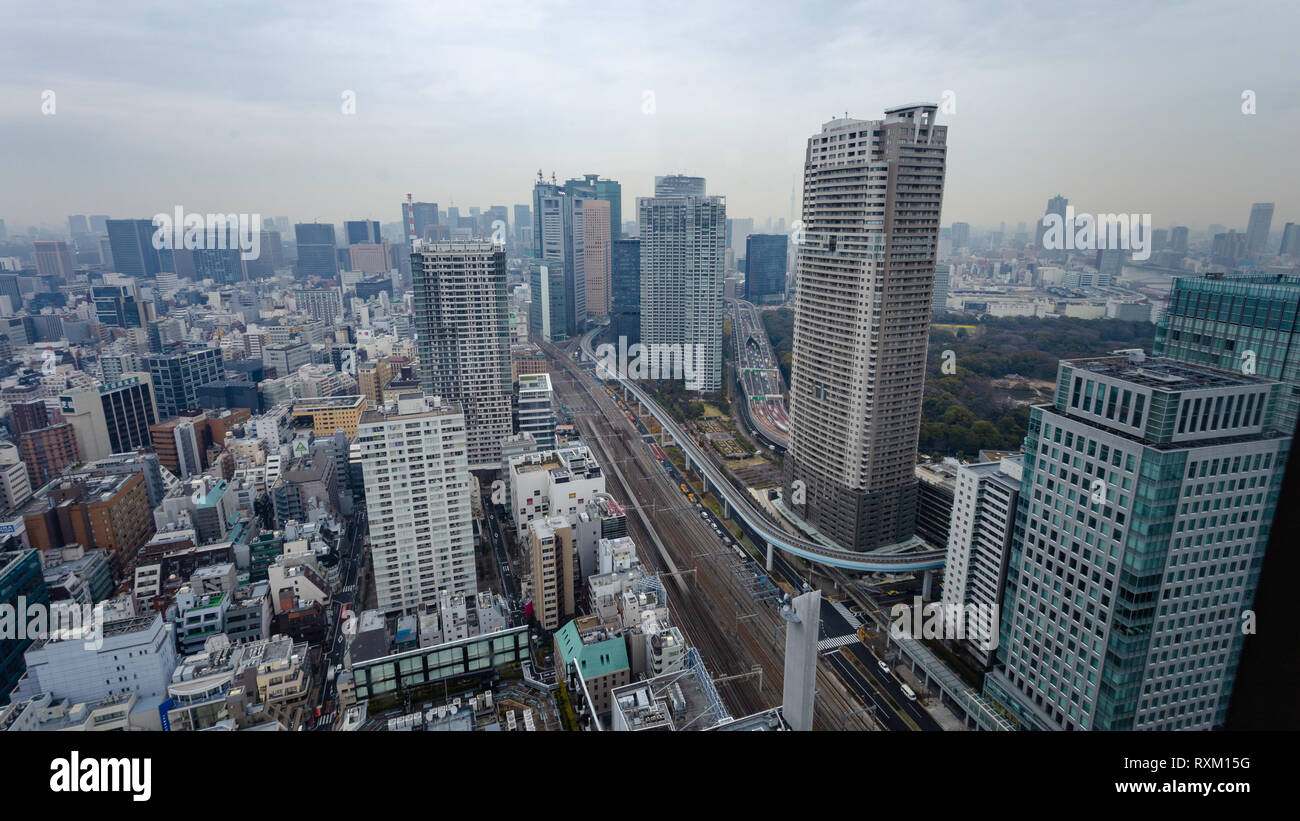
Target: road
(351, 562)
(759, 376)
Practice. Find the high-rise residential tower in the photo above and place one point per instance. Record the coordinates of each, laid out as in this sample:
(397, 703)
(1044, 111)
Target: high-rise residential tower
(418, 493)
(873, 191)
(683, 256)
(462, 339)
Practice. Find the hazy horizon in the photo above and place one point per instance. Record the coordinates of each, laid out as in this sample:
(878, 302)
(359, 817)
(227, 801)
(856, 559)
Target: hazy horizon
(1120, 107)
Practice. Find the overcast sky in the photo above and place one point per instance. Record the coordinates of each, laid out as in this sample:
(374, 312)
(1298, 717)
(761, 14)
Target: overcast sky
(1121, 106)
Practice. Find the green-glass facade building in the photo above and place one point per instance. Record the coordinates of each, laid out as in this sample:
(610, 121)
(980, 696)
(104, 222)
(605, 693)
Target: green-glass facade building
(1241, 323)
(1145, 508)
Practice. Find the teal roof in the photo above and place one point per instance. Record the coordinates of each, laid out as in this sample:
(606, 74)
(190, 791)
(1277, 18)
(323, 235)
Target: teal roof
(595, 659)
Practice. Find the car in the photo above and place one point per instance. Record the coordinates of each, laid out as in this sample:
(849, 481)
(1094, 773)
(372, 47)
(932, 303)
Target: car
(882, 665)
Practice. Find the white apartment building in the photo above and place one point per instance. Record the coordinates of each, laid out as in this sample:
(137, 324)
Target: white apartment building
(552, 482)
(418, 498)
(983, 517)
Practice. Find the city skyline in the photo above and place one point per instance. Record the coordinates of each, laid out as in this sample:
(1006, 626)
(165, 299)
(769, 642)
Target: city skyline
(115, 130)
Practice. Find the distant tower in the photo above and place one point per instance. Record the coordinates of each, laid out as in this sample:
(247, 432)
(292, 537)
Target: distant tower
(803, 617)
(410, 228)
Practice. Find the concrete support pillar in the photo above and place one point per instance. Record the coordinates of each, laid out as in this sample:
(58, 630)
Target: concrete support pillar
(769, 556)
(927, 586)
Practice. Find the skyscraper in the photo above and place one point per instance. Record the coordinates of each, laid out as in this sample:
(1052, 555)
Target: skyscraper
(1056, 205)
(1290, 246)
(611, 191)
(316, 256)
(1141, 523)
(546, 313)
(1245, 324)
(596, 225)
(559, 236)
(765, 256)
(53, 258)
(625, 291)
(132, 248)
(418, 502)
(1178, 239)
(960, 235)
(683, 255)
(426, 214)
(362, 232)
(862, 320)
(1261, 219)
(462, 340)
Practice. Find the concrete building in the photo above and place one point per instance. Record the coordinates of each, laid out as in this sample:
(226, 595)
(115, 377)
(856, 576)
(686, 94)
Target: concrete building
(138, 655)
(983, 515)
(109, 513)
(549, 546)
(683, 251)
(15, 484)
(286, 358)
(535, 411)
(178, 376)
(862, 320)
(47, 451)
(596, 224)
(329, 414)
(417, 483)
(1143, 515)
(462, 341)
(553, 482)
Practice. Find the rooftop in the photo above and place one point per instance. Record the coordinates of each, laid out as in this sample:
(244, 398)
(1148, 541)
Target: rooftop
(1161, 374)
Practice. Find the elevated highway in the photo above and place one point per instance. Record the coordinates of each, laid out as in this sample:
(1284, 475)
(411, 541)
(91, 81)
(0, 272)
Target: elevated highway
(739, 504)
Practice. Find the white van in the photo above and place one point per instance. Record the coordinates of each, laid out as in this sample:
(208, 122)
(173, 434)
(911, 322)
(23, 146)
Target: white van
(907, 691)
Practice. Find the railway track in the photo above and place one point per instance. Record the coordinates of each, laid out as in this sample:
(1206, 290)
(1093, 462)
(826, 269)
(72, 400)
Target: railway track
(732, 630)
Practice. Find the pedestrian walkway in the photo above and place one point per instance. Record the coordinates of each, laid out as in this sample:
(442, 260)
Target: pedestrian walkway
(837, 642)
(848, 615)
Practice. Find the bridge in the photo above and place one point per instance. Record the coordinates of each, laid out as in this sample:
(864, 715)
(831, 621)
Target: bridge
(739, 504)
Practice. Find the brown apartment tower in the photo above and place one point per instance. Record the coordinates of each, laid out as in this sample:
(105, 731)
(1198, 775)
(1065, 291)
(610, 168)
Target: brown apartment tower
(872, 195)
